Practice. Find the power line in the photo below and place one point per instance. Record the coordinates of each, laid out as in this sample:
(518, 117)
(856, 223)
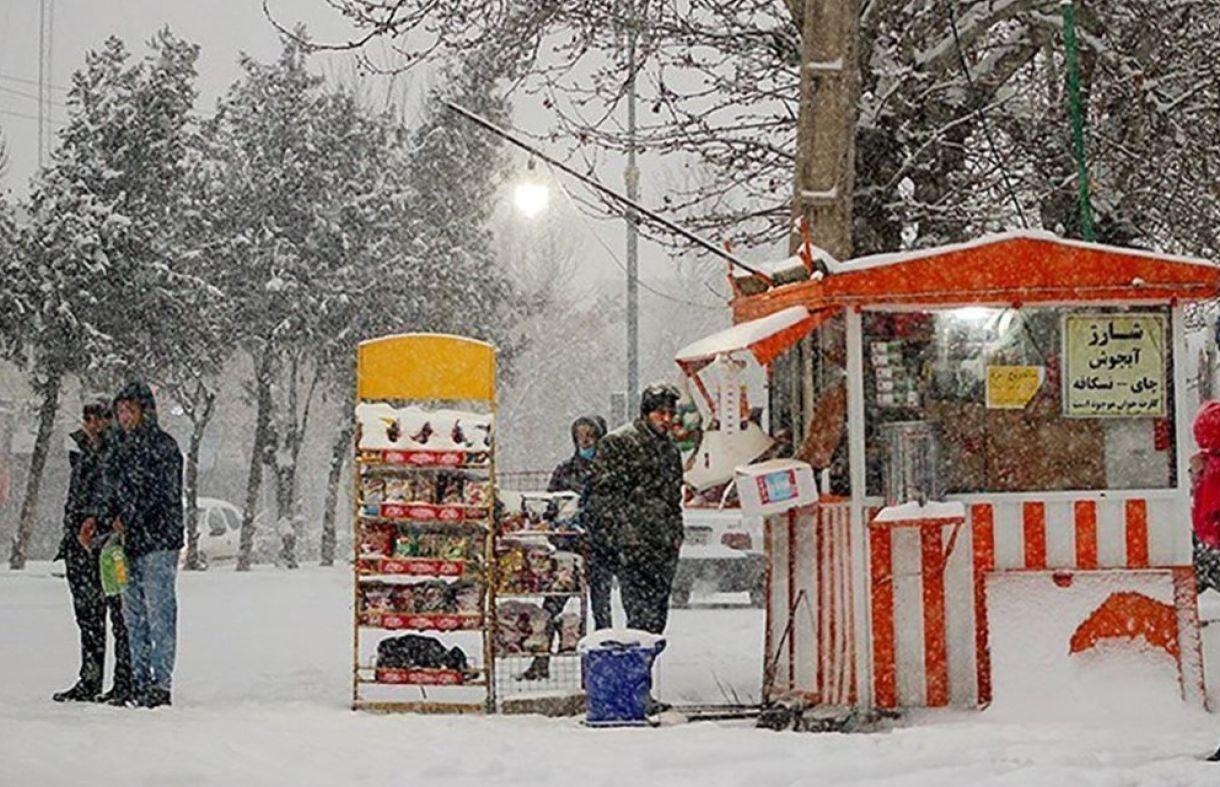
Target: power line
(30, 96)
(27, 116)
(614, 256)
(33, 82)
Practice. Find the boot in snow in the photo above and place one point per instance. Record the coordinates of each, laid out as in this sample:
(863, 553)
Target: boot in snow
(78, 693)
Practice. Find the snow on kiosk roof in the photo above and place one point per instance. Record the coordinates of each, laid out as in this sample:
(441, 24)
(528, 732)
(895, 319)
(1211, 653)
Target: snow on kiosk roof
(766, 337)
(1010, 268)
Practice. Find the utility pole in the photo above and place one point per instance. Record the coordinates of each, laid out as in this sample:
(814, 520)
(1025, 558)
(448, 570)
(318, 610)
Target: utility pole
(632, 180)
(46, 21)
(825, 141)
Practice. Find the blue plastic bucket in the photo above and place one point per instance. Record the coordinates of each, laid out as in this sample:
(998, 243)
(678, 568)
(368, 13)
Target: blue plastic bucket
(618, 680)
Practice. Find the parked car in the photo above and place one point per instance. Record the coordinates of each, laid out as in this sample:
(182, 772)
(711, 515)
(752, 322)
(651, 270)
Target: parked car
(722, 553)
(219, 530)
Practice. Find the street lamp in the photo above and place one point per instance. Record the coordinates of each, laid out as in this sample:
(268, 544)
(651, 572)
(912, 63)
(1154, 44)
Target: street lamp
(531, 195)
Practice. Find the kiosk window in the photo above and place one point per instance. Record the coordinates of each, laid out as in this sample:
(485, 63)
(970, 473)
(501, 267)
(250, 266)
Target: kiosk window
(1031, 399)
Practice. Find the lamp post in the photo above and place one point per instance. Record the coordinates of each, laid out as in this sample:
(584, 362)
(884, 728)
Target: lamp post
(631, 178)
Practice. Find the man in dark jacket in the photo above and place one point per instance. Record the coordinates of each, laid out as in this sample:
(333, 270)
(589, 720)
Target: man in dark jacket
(80, 554)
(144, 502)
(635, 504)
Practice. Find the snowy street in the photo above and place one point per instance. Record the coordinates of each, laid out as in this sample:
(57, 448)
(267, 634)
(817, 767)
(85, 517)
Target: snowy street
(262, 688)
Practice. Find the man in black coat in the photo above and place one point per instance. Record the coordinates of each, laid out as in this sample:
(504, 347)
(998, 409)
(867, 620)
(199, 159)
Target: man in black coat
(635, 505)
(143, 492)
(80, 554)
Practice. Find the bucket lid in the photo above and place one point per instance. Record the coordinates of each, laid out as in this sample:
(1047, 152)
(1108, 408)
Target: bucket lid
(620, 638)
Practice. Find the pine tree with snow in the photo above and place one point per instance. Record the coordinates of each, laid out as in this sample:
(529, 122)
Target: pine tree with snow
(97, 267)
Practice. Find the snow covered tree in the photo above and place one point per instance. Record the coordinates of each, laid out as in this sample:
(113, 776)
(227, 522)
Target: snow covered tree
(97, 273)
(961, 128)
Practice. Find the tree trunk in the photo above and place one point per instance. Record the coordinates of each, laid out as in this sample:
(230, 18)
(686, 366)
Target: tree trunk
(29, 506)
(191, 484)
(254, 482)
(825, 142)
(286, 513)
(338, 454)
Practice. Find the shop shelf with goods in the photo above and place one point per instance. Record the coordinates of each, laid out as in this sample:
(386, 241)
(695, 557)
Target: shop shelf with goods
(424, 499)
(540, 601)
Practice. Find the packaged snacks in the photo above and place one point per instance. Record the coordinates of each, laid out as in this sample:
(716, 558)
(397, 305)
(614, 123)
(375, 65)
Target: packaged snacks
(425, 489)
(376, 539)
(372, 490)
(467, 597)
(408, 545)
(454, 548)
(567, 625)
(375, 598)
(536, 510)
(402, 598)
(522, 628)
(568, 571)
(512, 573)
(476, 492)
(433, 596)
(450, 489)
(398, 490)
(540, 569)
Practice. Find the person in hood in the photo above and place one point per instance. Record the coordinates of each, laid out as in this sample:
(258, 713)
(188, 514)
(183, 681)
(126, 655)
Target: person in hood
(80, 550)
(635, 505)
(143, 491)
(572, 475)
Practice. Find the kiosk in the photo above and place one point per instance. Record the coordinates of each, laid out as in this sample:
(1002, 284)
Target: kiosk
(1041, 384)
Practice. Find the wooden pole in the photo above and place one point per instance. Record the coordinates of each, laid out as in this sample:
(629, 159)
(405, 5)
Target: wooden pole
(825, 147)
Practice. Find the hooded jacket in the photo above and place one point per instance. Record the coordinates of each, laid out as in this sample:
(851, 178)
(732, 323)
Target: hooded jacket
(143, 481)
(573, 474)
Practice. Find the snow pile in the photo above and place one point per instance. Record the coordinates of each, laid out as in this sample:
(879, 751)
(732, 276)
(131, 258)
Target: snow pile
(387, 428)
(621, 636)
(1031, 623)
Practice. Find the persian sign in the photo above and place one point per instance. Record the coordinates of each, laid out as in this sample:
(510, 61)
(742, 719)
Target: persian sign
(1011, 387)
(1114, 365)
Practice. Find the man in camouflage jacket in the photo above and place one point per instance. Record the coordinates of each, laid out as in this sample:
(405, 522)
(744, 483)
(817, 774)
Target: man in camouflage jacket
(635, 507)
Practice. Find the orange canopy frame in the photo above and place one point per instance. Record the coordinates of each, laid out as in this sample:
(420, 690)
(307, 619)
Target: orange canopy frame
(1010, 269)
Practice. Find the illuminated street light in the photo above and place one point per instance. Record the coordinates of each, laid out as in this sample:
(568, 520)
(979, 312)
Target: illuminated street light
(531, 198)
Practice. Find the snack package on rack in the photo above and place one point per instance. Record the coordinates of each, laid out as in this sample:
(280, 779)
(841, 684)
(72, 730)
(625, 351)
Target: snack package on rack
(402, 598)
(398, 490)
(476, 492)
(467, 596)
(568, 626)
(426, 489)
(522, 628)
(450, 489)
(434, 596)
(569, 571)
(375, 598)
(512, 569)
(376, 539)
(372, 492)
(540, 568)
(408, 545)
(452, 548)
(566, 510)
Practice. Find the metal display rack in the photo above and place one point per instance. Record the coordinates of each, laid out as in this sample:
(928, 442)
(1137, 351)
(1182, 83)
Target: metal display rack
(523, 538)
(423, 562)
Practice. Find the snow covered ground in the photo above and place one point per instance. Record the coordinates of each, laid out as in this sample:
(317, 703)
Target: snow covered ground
(262, 688)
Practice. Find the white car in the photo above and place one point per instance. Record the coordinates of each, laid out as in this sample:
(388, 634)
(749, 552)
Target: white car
(722, 552)
(219, 530)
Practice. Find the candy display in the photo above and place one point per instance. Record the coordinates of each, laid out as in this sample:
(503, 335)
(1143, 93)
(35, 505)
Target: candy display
(522, 628)
(476, 492)
(449, 490)
(398, 490)
(376, 539)
(543, 512)
(568, 626)
(433, 596)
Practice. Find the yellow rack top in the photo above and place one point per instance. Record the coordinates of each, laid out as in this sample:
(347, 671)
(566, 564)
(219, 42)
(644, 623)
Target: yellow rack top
(424, 366)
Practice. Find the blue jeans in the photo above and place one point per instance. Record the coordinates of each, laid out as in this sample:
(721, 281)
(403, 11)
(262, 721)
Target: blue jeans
(150, 610)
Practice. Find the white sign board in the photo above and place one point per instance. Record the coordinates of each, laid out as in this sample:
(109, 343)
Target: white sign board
(775, 487)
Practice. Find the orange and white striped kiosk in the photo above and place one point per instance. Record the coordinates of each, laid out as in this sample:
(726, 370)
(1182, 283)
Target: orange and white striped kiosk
(1052, 375)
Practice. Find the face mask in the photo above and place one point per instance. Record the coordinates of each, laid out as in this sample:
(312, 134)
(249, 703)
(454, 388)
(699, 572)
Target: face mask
(587, 453)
